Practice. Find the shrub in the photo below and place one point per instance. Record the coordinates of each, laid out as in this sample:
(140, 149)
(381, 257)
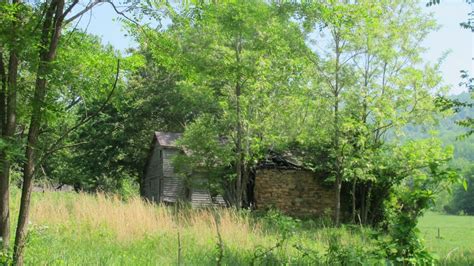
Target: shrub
(340, 254)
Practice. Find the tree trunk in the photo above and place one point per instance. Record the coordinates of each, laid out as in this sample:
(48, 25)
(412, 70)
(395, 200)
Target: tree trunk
(336, 140)
(5, 201)
(8, 135)
(245, 180)
(337, 218)
(8, 124)
(354, 185)
(3, 96)
(338, 170)
(240, 158)
(367, 203)
(363, 202)
(51, 31)
(4, 175)
(238, 164)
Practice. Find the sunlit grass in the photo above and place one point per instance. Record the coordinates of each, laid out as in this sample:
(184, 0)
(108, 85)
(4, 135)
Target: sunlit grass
(84, 229)
(456, 236)
(80, 228)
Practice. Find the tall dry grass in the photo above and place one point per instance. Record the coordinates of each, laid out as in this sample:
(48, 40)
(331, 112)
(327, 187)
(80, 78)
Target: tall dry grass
(135, 219)
(78, 229)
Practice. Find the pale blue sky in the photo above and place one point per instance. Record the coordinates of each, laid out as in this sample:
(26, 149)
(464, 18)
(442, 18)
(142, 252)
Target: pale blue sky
(451, 37)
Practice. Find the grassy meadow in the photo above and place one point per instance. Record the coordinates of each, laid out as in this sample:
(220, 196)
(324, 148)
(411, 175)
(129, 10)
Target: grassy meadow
(456, 236)
(80, 229)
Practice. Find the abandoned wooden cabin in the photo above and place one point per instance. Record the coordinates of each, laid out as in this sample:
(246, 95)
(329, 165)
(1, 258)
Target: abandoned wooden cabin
(160, 182)
(283, 183)
(279, 181)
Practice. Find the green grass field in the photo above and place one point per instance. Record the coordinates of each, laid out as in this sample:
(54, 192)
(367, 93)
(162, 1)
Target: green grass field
(456, 236)
(80, 229)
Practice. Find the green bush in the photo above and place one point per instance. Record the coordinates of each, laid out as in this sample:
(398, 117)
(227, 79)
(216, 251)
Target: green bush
(340, 254)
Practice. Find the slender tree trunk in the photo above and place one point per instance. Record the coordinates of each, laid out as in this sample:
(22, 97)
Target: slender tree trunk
(240, 158)
(51, 31)
(3, 95)
(8, 135)
(245, 180)
(336, 140)
(4, 175)
(5, 202)
(238, 164)
(337, 213)
(367, 203)
(354, 185)
(338, 174)
(12, 93)
(363, 202)
(8, 122)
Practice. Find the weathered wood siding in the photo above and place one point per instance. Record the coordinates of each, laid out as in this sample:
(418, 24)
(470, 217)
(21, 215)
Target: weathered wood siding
(162, 184)
(200, 197)
(168, 156)
(199, 193)
(153, 174)
(173, 188)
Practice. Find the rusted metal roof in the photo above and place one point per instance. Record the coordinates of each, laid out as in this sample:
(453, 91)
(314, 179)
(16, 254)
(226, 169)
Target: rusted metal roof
(167, 139)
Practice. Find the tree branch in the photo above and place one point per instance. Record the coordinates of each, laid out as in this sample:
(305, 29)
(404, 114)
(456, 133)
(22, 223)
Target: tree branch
(69, 8)
(83, 11)
(86, 119)
(62, 147)
(328, 79)
(121, 13)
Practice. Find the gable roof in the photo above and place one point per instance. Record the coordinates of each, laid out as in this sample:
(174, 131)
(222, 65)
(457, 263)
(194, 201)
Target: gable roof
(167, 139)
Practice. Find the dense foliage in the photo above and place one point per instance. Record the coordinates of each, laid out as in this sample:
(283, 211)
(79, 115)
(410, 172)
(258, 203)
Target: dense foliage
(456, 199)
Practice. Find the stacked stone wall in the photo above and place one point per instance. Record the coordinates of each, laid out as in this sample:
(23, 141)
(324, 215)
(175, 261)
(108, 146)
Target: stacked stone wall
(295, 192)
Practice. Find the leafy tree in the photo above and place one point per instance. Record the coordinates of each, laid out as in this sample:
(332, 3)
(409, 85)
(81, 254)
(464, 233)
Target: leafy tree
(41, 26)
(114, 145)
(419, 171)
(339, 20)
(210, 155)
(448, 131)
(235, 58)
(368, 68)
(83, 80)
(11, 19)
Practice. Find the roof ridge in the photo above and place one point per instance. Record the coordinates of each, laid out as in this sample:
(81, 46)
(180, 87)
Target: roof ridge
(167, 139)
